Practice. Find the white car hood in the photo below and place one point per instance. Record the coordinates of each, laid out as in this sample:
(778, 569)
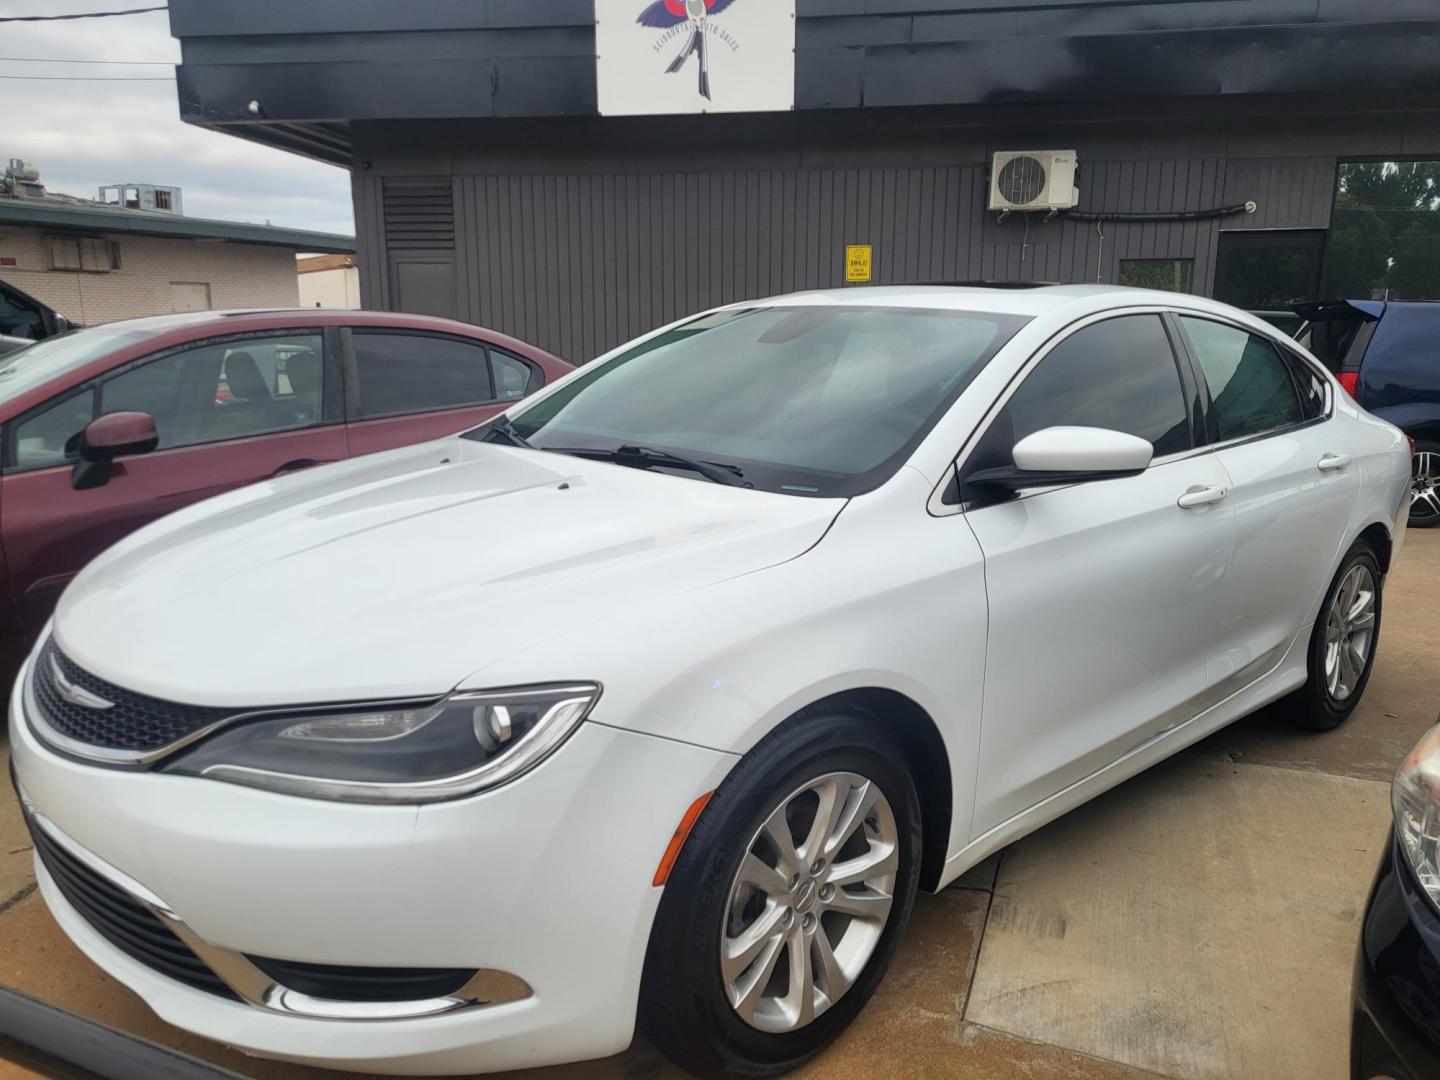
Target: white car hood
(403, 573)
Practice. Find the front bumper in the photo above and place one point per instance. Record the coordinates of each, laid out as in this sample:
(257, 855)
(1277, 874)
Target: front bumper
(547, 879)
(1395, 1030)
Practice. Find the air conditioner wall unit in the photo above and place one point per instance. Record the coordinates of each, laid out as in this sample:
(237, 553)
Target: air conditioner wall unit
(1033, 180)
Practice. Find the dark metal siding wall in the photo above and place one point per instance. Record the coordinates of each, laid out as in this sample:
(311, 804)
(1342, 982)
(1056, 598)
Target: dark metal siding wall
(1073, 251)
(1293, 193)
(579, 263)
(579, 234)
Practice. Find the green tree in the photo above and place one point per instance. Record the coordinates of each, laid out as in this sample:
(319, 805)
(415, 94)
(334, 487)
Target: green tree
(1357, 251)
(1415, 274)
(1385, 230)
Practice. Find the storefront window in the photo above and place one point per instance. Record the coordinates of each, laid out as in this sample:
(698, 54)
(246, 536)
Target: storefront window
(1266, 271)
(1172, 275)
(1385, 231)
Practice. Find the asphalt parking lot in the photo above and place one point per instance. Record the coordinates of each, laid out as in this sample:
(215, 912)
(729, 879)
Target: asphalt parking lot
(1197, 922)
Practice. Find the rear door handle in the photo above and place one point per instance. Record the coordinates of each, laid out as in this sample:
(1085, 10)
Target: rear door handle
(1331, 462)
(1201, 495)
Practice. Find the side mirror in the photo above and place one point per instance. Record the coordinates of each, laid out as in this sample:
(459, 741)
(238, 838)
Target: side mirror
(107, 437)
(1069, 455)
(62, 324)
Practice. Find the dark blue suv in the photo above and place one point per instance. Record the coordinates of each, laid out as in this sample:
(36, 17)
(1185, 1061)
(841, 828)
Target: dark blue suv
(1386, 353)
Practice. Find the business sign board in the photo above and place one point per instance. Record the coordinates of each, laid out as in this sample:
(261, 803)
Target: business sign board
(694, 56)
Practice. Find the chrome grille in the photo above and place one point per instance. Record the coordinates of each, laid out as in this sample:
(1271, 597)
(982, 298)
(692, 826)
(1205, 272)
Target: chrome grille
(134, 722)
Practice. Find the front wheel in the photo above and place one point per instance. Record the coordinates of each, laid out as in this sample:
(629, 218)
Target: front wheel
(1342, 644)
(1425, 489)
(785, 905)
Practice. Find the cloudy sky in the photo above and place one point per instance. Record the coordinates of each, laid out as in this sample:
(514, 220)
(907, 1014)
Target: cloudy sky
(84, 134)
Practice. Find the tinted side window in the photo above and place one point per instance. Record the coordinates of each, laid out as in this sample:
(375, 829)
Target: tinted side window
(1118, 374)
(40, 440)
(405, 373)
(1251, 390)
(1310, 385)
(1402, 362)
(225, 390)
(1338, 343)
(155, 388)
(512, 375)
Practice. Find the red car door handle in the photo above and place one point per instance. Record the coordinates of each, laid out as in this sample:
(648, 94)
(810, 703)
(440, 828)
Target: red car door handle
(299, 463)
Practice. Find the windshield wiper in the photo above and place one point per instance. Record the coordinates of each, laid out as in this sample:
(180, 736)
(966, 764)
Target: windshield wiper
(641, 456)
(501, 426)
(645, 457)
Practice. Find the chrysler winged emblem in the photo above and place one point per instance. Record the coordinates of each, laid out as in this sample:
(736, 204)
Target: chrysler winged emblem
(76, 695)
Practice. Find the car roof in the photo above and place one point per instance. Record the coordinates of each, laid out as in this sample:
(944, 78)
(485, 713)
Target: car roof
(1008, 298)
(238, 319)
(178, 328)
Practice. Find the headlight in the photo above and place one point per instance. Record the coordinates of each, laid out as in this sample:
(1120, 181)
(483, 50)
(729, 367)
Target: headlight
(462, 744)
(1415, 796)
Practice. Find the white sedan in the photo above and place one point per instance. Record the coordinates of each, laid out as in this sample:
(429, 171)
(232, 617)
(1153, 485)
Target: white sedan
(656, 700)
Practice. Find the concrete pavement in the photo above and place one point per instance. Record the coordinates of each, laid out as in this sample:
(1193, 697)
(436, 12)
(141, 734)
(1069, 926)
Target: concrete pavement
(1197, 922)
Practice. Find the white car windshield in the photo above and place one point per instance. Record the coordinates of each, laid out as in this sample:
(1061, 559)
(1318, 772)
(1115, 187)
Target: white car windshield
(806, 400)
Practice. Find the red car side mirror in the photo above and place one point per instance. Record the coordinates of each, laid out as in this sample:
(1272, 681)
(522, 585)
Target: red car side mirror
(107, 437)
(117, 434)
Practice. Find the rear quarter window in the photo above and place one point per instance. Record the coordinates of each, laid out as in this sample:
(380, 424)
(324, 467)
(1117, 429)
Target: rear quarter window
(1309, 383)
(1338, 343)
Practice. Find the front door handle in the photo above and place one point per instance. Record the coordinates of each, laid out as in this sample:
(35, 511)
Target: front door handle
(1201, 495)
(299, 463)
(1331, 462)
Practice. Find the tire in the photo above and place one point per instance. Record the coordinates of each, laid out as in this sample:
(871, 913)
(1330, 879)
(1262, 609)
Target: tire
(685, 1007)
(1331, 693)
(1425, 489)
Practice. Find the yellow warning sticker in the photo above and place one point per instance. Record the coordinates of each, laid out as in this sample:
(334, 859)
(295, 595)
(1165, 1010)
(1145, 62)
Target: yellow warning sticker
(857, 262)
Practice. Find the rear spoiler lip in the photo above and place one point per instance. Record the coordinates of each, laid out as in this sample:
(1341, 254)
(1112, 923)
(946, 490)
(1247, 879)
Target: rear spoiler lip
(1323, 310)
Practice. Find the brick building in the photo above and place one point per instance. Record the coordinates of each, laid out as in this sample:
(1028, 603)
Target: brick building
(96, 262)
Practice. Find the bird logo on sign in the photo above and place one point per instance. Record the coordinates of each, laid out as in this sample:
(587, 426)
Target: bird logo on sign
(663, 14)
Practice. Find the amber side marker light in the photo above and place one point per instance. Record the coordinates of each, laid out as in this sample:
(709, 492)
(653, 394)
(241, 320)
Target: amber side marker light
(672, 850)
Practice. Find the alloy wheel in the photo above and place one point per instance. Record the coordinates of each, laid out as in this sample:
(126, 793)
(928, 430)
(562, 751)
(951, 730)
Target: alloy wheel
(809, 902)
(1425, 488)
(1349, 632)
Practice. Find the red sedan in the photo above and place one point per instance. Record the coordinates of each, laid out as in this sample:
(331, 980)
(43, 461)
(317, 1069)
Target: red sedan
(103, 430)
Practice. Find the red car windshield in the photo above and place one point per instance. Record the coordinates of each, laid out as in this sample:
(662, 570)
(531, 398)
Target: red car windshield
(35, 365)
